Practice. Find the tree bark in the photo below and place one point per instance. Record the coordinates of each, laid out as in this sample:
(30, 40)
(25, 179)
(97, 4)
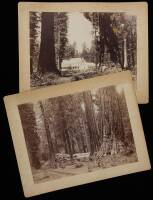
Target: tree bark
(50, 144)
(93, 130)
(66, 136)
(47, 61)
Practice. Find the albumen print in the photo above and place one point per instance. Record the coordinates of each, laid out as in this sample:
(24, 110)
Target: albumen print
(69, 46)
(66, 42)
(77, 133)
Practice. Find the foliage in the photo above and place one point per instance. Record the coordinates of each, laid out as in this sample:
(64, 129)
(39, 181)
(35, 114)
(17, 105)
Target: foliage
(60, 31)
(35, 28)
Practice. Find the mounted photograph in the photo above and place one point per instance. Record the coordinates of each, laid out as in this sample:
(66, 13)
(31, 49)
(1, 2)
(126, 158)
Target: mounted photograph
(68, 42)
(77, 133)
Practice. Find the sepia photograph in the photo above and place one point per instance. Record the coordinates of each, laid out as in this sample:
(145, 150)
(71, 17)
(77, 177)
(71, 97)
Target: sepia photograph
(69, 46)
(72, 45)
(77, 133)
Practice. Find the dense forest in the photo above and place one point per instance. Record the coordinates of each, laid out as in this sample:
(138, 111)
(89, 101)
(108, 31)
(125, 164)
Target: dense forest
(113, 45)
(77, 129)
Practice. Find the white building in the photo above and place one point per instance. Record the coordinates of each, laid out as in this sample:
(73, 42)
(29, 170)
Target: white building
(76, 64)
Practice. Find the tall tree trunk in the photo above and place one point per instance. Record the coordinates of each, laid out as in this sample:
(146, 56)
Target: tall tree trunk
(84, 147)
(125, 54)
(85, 132)
(66, 136)
(48, 134)
(73, 145)
(31, 137)
(56, 144)
(69, 144)
(47, 60)
(102, 40)
(90, 115)
(65, 142)
(102, 108)
(121, 54)
(105, 118)
(121, 120)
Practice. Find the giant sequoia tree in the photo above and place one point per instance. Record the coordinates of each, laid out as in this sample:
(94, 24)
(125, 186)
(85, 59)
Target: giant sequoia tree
(115, 33)
(113, 121)
(31, 137)
(47, 61)
(53, 41)
(48, 134)
(64, 122)
(105, 38)
(92, 126)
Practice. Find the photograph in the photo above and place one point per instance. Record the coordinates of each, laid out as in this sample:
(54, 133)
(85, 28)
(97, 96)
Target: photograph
(72, 45)
(69, 46)
(77, 133)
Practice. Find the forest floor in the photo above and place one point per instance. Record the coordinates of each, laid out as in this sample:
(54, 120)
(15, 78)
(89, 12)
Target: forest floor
(55, 79)
(43, 175)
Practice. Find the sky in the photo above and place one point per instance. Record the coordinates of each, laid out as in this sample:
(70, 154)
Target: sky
(79, 30)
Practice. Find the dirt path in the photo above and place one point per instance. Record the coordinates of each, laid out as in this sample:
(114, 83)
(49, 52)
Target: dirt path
(43, 175)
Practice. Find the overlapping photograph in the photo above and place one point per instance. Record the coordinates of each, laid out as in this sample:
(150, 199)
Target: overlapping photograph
(77, 133)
